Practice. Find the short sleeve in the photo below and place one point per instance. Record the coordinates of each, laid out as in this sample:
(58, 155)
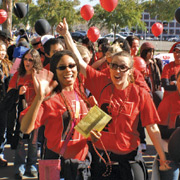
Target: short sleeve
(148, 112)
(13, 81)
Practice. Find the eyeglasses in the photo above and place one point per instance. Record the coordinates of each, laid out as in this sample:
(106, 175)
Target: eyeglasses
(30, 60)
(71, 66)
(122, 68)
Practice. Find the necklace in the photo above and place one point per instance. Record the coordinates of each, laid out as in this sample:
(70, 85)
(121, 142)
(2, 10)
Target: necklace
(122, 103)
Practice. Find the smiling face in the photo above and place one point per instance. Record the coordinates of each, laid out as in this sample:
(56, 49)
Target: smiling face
(135, 47)
(119, 78)
(66, 72)
(28, 63)
(2, 51)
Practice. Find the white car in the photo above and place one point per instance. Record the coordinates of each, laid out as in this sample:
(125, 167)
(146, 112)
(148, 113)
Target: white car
(111, 38)
(173, 39)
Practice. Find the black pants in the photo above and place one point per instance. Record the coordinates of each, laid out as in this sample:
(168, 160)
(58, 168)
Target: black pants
(3, 126)
(72, 169)
(122, 170)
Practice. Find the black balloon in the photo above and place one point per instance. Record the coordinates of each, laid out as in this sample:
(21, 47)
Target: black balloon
(174, 145)
(42, 27)
(20, 10)
(177, 15)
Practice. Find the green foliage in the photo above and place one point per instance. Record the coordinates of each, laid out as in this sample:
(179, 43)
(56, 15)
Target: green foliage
(51, 10)
(127, 13)
(163, 9)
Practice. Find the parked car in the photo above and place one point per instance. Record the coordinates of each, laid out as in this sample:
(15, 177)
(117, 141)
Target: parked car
(77, 36)
(111, 37)
(148, 38)
(139, 36)
(82, 32)
(173, 39)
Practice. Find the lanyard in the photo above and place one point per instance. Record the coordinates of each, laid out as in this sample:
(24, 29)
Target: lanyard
(63, 148)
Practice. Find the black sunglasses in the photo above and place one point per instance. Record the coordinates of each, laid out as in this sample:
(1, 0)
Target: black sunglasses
(61, 68)
(122, 68)
(30, 60)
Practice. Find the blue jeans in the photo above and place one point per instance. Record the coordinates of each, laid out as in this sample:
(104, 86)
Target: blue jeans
(173, 173)
(21, 164)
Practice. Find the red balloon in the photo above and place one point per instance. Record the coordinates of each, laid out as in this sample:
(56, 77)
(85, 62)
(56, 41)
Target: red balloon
(139, 64)
(3, 16)
(87, 12)
(109, 5)
(157, 29)
(93, 34)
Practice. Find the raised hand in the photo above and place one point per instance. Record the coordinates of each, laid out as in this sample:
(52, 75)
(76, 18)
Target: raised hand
(43, 82)
(62, 27)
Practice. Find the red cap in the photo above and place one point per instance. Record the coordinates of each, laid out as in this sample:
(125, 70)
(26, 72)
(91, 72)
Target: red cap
(146, 45)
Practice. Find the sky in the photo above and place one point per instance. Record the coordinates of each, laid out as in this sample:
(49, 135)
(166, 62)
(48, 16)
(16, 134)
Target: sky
(83, 2)
(92, 3)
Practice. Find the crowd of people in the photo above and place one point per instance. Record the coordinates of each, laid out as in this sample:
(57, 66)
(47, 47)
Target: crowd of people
(58, 81)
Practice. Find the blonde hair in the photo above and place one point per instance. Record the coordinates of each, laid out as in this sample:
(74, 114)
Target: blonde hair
(84, 51)
(113, 49)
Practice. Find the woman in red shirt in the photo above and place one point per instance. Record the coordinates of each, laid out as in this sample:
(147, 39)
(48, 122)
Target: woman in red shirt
(59, 112)
(22, 79)
(124, 101)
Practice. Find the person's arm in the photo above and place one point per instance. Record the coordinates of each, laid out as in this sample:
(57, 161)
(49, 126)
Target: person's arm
(44, 87)
(155, 136)
(169, 86)
(98, 63)
(62, 29)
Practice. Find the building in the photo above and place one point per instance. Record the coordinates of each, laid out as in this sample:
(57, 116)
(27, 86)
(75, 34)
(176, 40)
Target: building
(170, 29)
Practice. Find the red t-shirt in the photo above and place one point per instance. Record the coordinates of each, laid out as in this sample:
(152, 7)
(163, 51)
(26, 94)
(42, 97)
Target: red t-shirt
(53, 114)
(24, 81)
(169, 70)
(169, 109)
(120, 135)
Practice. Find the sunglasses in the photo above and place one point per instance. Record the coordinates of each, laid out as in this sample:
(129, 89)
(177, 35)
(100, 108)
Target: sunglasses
(71, 66)
(30, 60)
(122, 68)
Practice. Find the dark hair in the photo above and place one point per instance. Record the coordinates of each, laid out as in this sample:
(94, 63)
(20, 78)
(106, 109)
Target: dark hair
(125, 54)
(103, 40)
(145, 51)
(123, 44)
(53, 65)
(104, 48)
(130, 39)
(55, 60)
(50, 42)
(36, 59)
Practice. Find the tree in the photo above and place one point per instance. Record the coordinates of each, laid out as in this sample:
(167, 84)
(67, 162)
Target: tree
(127, 13)
(163, 9)
(51, 10)
(7, 6)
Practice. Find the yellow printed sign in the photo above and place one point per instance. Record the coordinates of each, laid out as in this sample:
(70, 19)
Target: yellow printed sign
(96, 119)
